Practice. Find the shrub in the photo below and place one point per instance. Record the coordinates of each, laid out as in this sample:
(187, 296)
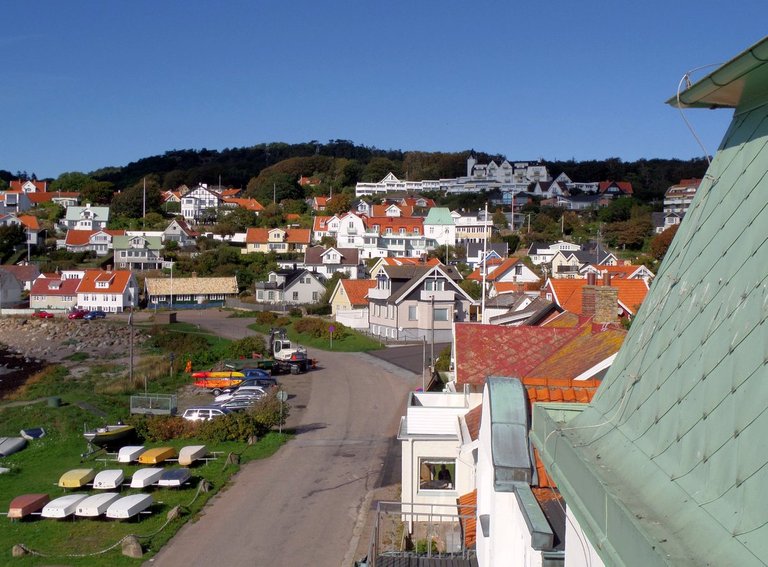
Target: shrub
(282, 321)
(162, 428)
(267, 413)
(295, 312)
(236, 426)
(322, 309)
(244, 348)
(318, 328)
(266, 318)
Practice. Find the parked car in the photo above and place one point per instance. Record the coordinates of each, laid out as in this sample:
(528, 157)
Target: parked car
(204, 413)
(42, 315)
(77, 314)
(256, 373)
(255, 391)
(263, 383)
(98, 314)
(239, 402)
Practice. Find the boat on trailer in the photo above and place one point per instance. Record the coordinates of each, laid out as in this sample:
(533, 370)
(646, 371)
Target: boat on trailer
(146, 477)
(129, 453)
(63, 506)
(128, 506)
(109, 435)
(173, 478)
(96, 505)
(26, 504)
(76, 478)
(157, 455)
(11, 445)
(192, 453)
(108, 479)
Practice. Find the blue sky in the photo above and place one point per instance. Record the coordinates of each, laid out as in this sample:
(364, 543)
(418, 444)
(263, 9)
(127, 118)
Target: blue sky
(90, 84)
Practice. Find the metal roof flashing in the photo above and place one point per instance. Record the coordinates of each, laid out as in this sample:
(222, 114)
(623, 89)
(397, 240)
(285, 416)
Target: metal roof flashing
(740, 83)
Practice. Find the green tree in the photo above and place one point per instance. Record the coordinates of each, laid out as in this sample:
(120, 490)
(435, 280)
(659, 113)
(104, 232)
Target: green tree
(474, 289)
(10, 237)
(339, 204)
(378, 168)
(97, 192)
(499, 219)
(130, 203)
(330, 285)
(660, 242)
(70, 181)
(274, 185)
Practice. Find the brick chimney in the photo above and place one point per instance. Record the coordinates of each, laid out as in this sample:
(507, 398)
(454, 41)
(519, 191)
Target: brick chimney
(601, 302)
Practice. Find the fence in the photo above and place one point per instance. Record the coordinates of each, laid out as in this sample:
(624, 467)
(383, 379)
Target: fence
(154, 404)
(432, 533)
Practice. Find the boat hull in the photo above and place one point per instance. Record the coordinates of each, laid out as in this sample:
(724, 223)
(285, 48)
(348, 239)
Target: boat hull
(96, 505)
(174, 478)
(109, 435)
(129, 453)
(129, 506)
(191, 453)
(11, 445)
(63, 506)
(108, 479)
(157, 455)
(76, 478)
(146, 477)
(27, 504)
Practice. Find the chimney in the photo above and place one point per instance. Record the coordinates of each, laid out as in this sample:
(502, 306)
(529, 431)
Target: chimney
(601, 302)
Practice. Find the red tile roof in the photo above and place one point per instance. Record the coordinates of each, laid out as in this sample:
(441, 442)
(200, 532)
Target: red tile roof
(625, 186)
(55, 286)
(292, 235)
(510, 287)
(567, 293)
(623, 271)
(357, 290)
(83, 237)
(537, 353)
(248, 204)
(117, 281)
(473, 418)
(395, 223)
(17, 184)
(401, 261)
(467, 506)
(29, 222)
(381, 210)
(230, 193)
(38, 198)
(320, 224)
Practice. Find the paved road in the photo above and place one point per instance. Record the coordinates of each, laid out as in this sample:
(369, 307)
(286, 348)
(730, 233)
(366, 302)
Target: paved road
(304, 505)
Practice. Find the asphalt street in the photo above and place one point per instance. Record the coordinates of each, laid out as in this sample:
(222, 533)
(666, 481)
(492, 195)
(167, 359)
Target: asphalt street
(306, 504)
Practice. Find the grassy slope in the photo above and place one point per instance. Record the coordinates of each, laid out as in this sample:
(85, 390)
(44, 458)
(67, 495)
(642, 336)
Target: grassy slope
(354, 342)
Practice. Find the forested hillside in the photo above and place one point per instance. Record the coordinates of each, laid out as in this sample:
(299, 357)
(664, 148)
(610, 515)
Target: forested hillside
(339, 165)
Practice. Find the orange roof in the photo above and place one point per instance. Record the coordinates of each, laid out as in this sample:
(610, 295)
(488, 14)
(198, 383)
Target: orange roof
(401, 261)
(395, 223)
(38, 198)
(509, 287)
(322, 200)
(29, 221)
(320, 224)
(467, 505)
(473, 418)
(17, 184)
(248, 204)
(230, 193)
(357, 290)
(623, 271)
(477, 275)
(82, 237)
(116, 280)
(567, 293)
(292, 235)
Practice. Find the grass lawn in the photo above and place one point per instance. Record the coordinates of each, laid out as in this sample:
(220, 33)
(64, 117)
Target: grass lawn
(38, 467)
(353, 342)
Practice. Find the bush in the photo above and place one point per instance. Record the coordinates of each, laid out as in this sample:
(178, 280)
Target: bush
(244, 348)
(266, 411)
(318, 328)
(161, 428)
(236, 426)
(295, 312)
(266, 318)
(322, 309)
(282, 321)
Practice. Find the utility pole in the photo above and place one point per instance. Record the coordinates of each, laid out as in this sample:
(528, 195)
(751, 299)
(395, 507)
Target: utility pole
(485, 255)
(432, 355)
(130, 349)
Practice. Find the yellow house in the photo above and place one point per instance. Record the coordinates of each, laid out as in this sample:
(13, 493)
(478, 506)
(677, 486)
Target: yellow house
(278, 240)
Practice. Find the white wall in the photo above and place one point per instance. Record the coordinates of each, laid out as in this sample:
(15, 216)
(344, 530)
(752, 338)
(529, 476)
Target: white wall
(578, 550)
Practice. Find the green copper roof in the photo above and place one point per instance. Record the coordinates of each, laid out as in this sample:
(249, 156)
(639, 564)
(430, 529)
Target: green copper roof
(439, 215)
(667, 465)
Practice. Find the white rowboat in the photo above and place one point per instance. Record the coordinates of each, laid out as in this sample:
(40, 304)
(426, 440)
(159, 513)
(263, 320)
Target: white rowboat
(108, 479)
(146, 477)
(174, 477)
(191, 453)
(129, 453)
(63, 506)
(96, 505)
(129, 506)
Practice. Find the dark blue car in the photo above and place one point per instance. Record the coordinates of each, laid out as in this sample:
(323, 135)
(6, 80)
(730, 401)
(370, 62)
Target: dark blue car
(98, 314)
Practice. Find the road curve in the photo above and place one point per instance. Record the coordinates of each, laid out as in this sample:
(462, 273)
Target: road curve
(301, 506)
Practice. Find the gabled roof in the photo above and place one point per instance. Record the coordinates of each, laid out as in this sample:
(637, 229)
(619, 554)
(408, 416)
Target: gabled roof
(567, 293)
(55, 286)
(357, 290)
(248, 204)
(507, 287)
(419, 274)
(116, 280)
(30, 222)
(18, 185)
(98, 213)
(349, 256)
(625, 271)
(83, 237)
(23, 273)
(439, 216)
(292, 235)
(399, 261)
(320, 223)
(395, 223)
(123, 242)
(473, 419)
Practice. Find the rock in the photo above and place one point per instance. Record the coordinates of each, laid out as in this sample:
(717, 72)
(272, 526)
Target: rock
(132, 547)
(18, 551)
(173, 513)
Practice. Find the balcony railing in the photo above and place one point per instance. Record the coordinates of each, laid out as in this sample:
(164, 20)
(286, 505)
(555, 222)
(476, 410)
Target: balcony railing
(447, 295)
(376, 293)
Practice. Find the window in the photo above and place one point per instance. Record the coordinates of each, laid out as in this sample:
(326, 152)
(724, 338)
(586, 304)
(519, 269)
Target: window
(437, 474)
(402, 230)
(441, 314)
(315, 296)
(412, 313)
(295, 295)
(434, 285)
(271, 295)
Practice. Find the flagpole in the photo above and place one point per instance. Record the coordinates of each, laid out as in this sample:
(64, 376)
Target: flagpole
(485, 255)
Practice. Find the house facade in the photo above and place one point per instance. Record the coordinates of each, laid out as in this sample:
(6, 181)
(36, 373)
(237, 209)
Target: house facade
(439, 226)
(329, 261)
(278, 240)
(290, 287)
(414, 302)
(349, 302)
(200, 204)
(85, 218)
(112, 291)
(97, 241)
(138, 252)
(54, 293)
(178, 293)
